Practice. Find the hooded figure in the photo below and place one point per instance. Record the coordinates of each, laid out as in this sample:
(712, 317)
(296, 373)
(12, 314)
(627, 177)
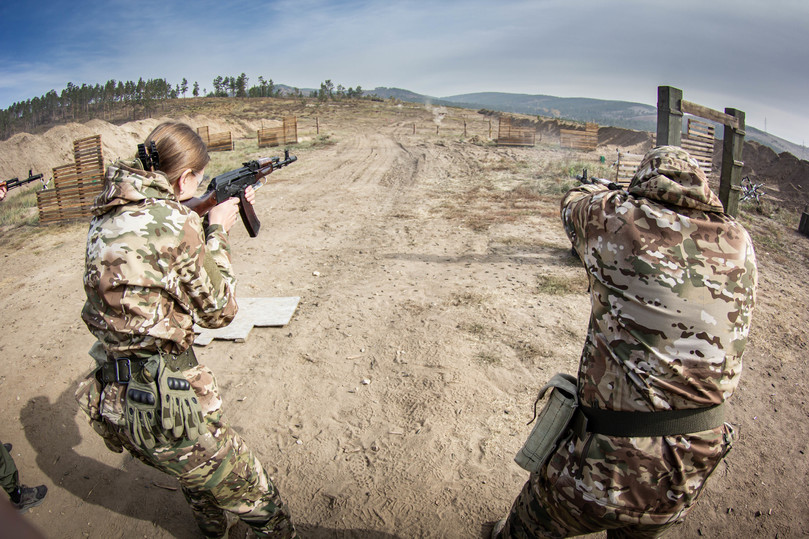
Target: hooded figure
(672, 288)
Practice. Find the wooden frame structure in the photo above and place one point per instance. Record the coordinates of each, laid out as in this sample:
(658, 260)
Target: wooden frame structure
(287, 133)
(510, 134)
(625, 167)
(698, 142)
(75, 185)
(580, 140)
(217, 142)
(670, 109)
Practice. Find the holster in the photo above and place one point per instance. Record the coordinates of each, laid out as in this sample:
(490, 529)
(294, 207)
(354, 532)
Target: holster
(551, 424)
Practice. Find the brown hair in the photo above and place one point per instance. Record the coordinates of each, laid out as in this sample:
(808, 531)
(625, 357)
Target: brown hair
(179, 148)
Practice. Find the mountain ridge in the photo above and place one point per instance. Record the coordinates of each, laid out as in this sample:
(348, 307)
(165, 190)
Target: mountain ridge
(614, 113)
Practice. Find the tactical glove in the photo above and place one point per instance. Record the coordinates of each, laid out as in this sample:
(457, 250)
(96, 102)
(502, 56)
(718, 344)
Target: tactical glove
(142, 406)
(180, 411)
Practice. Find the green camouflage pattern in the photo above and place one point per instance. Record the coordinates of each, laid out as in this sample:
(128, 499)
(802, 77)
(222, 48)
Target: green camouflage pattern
(150, 273)
(217, 472)
(672, 287)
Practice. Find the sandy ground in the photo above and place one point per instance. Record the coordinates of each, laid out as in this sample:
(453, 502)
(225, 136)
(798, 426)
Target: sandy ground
(431, 266)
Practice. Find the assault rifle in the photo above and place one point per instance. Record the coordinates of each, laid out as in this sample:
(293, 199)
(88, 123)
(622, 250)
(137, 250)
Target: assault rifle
(233, 184)
(600, 181)
(16, 182)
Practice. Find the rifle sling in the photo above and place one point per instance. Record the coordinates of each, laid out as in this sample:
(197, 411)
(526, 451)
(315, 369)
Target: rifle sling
(663, 423)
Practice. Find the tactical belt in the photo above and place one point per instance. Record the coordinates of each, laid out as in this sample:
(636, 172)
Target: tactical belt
(663, 423)
(122, 369)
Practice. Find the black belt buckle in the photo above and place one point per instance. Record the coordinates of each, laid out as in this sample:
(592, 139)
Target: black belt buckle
(127, 363)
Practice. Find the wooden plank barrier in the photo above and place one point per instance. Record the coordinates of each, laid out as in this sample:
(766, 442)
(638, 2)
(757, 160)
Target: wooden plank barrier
(216, 142)
(220, 142)
(510, 134)
(698, 142)
(291, 130)
(625, 167)
(270, 136)
(75, 185)
(285, 134)
(578, 139)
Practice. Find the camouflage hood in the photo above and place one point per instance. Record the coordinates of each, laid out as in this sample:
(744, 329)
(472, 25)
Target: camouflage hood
(669, 175)
(125, 183)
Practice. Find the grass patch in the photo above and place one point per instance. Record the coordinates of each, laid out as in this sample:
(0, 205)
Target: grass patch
(319, 141)
(19, 209)
(474, 328)
(487, 358)
(558, 285)
(466, 298)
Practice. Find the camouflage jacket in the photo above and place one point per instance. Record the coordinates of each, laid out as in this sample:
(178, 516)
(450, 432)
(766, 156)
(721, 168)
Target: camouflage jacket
(151, 271)
(672, 287)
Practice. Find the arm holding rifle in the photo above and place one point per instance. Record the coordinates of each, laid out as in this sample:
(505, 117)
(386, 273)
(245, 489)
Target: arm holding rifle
(5, 186)
(235, 184)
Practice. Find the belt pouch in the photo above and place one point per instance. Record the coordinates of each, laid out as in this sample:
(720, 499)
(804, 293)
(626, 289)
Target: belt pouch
(551, 423)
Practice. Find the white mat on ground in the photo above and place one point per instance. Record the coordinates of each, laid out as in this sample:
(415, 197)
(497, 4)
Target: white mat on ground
(252, 312)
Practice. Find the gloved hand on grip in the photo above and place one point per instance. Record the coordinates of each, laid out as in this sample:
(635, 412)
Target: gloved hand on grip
(180, 411)
(142, 406)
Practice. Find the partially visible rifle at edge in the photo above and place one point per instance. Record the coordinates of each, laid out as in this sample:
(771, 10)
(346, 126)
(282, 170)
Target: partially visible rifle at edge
(600, 181)
(233, 184)
(16, 182)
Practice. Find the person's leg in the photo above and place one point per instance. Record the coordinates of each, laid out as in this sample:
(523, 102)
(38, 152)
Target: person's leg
(211, 519)
(22, 497)
(237, 482)
(9, 477)
(537, 513)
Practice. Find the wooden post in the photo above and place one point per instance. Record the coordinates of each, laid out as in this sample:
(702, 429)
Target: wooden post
(414, 128)
(669, 116)
(490, 128)
(731, 177)
(317, 125)
(436, 129)
(464, 127)
(803, 227)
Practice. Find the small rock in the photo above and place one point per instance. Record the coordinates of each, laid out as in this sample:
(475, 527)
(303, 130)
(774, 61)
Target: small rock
(366, 381)
(316, 273)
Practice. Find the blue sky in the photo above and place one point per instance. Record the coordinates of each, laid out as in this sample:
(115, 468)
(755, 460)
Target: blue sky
(746, 54)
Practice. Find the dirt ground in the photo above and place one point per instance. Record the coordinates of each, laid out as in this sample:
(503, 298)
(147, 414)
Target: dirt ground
(437, 296)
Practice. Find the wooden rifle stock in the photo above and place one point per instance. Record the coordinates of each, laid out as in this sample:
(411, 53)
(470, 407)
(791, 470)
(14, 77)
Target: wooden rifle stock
(202, 204)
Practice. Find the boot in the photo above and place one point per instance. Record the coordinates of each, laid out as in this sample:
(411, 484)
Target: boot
(27, 497)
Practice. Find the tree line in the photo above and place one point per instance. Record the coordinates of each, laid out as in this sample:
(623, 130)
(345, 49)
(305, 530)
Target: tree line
(119, 100)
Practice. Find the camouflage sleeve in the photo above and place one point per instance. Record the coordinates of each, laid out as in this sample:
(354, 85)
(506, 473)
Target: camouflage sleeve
(207, 274)
(574, 213)
(218, 248)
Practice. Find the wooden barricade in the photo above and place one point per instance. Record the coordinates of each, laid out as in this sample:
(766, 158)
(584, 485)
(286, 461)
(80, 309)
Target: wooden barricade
(698, 142)
(75, 185)
(625, 167)
(509, 134)
(216, 142)
(578, 139)
(287, 133)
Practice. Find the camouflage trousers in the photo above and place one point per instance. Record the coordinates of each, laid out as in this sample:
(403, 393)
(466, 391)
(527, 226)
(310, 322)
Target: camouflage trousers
(217, 472)
(538, 513)
(9, 477)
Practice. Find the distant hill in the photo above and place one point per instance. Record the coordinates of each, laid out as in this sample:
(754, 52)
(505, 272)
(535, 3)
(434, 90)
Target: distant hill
(624, 114)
